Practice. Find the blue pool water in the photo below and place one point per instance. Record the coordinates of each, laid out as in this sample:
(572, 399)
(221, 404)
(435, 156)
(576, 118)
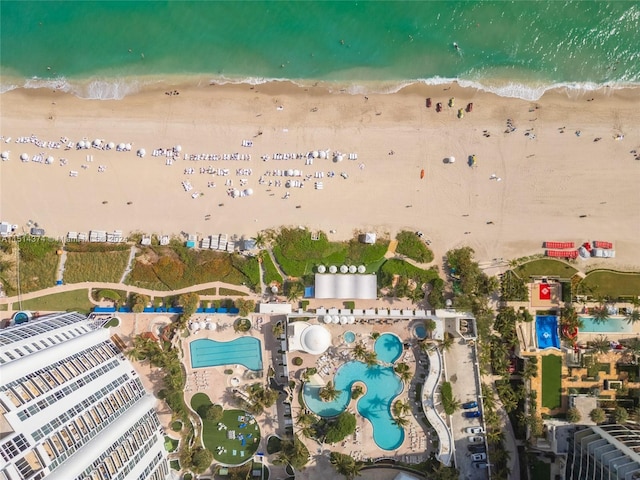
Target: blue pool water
(382, 385)
(420, 332)
(610, 325)
(349, 337)
(209, 353)
(547, 331)
(388, 347)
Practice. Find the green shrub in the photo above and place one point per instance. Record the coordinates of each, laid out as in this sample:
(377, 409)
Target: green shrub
(412, 246)
(297, 361)
(341, 427)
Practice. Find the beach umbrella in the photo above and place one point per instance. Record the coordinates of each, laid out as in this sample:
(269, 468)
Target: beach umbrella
(336, 319)
(343, 320)
(362, 269)
(322, 269)
(142, 152)
(352, 269)
(49, 159)
(111, 146)
(121, 146)
(178, 148)
(212, 326)
(290, 172)
(327, 319)
(296, 173)
(338, 157)
(315, 154)
(274, 289)
(344, 269)
(203, 325)
(248, 191)
(81, 144)
(323, 154)
(24, 157)
(97, 142)
(127, 147)
(235, 192)
(195, 326)
(4, 155)
(351, 319)
(333, 269)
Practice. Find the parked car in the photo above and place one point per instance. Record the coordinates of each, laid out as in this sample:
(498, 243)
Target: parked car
(472, 414)
(474, 430)
(476, 457)
(480, 465)
(476, 448)
(476, 439)
(469, 405)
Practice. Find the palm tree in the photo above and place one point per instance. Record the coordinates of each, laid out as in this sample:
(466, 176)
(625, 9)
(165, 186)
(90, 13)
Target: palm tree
(600, 313)
(371, 359)
(277, 329)
(632, 316)
(404, 371)
(260, 240)
(401, 408)
(345, 465)
(294, 291)
(359, 351)
(601, 344)
(401, 421)
(447, 343)
(328, 393)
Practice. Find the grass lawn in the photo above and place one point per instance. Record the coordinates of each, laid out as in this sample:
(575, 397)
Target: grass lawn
(170, 444)
(114, 322)
(176, 426)
(545, 266)
(95, 266)
(551, 381)
(412, 246)
(613, 284)
(212, 437)
(38, 264)
(395, 266)
(175, 465)
(77, 300)
(270, 272)
(539, 469)
(231, 293)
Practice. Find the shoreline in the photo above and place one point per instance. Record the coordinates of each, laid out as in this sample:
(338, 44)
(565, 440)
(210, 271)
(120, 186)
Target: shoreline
(550, 178)
(118, 87)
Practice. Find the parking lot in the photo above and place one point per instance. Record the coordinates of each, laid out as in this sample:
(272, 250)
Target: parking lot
(461, 365)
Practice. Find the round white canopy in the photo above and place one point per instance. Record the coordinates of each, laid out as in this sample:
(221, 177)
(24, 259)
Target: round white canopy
(24, 156)
(121, 146)
(351, 319)
(343, 320)
(327, 319)
(362, 269)
(344, 269)
(142, 152)
(248, 192)
(5, 154)
(111, 145)
(178, 148)
(314, 154)
(315, 339)
(322, 269)
(352, 269)
(97, 142)
(323, 154)
(336, 319)
(81, 144)
(333, 269)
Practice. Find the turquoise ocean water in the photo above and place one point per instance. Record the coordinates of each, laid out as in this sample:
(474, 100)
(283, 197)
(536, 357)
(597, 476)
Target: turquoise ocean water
(108, 49)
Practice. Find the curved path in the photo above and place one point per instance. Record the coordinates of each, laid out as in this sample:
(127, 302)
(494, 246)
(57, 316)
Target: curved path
(127, 288)
(429, 391)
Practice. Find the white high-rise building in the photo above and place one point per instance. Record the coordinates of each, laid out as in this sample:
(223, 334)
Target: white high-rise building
(72, 407)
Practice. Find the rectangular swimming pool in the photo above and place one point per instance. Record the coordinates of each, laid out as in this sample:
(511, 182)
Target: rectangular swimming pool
(209, 353)
(547, 331)
(610, 325)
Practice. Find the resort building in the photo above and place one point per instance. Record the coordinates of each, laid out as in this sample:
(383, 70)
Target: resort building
(72, 407)
(604, 451)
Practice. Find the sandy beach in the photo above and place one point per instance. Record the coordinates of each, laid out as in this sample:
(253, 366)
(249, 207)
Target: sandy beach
(555, 183)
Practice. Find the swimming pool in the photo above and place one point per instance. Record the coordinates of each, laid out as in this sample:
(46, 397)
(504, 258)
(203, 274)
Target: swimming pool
(420, 331)
(610, 325)
(382, 385)
(349, 337)
(388, 347)
(547, 331)
(209, 353)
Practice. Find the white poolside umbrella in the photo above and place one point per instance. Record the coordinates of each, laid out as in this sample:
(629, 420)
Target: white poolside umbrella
(203, 325)
(327, 319)
(336, 319)
(322, 269)
(353, 269)
(195, 326)
(121, 146)
(212, 326)
(111, 146)
(333, 269)
(362, 269)
(344, 269)
(141, 152)
(343, 320)
(351, 319)
(24, 156)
